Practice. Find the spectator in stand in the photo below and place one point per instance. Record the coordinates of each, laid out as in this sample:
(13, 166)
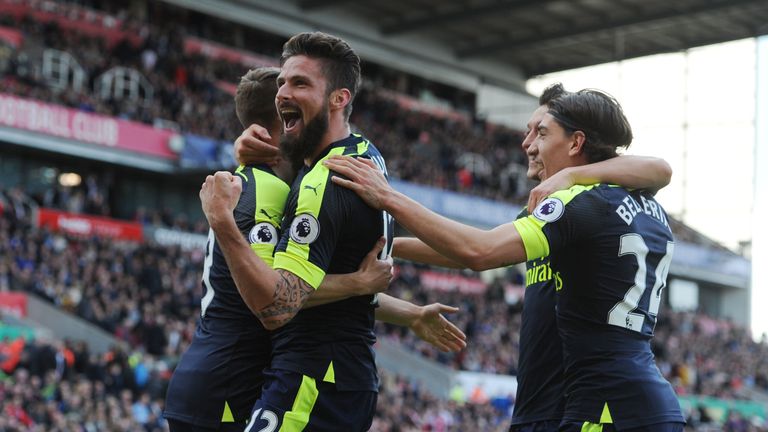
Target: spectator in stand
(185, 94)
(700, 355)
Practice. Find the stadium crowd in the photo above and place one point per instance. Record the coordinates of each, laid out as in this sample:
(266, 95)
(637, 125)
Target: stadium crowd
(58, 386)
(448, 152)
(145, 294)
(454, 152)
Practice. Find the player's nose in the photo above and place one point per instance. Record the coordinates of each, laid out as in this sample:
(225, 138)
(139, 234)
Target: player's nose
(531, 149)
(283, 93)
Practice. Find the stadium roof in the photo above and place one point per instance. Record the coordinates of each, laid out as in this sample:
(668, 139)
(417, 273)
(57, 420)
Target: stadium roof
(542, 36)
(472, 43)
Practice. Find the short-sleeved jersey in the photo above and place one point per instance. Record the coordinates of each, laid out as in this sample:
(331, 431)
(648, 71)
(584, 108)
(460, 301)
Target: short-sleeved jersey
(219, 377)
(329, 229)
(540, 366)
(258, 215)
(612, 249)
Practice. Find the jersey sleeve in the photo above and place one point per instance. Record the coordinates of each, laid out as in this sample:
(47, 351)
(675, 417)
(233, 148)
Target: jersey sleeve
(314, 231)
(270, 195)
(564, 217)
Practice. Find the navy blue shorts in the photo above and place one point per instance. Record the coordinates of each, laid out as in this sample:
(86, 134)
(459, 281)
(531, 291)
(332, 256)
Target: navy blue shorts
(571, 426)
(296, 402)
(542, 426)
(179, 426)
(218, 379)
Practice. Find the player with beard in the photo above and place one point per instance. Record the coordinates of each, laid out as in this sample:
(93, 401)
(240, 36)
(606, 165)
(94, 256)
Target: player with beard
(539, 400)
(219, 377)
(322, 360)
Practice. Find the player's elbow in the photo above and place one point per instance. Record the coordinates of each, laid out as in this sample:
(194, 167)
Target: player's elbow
(476, 260)
(272, 325)
(479, 265)
(274, 322)
(664, 172)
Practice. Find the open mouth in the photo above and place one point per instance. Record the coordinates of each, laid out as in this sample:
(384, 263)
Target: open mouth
(291, 118)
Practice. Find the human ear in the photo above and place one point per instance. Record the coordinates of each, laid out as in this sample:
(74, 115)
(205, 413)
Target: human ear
(577, 143)
(340, 98)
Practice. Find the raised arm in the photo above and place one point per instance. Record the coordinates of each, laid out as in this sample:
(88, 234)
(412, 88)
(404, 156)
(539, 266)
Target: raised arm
(634, 172)
(427, 322)
(468, 246)
(273, 296)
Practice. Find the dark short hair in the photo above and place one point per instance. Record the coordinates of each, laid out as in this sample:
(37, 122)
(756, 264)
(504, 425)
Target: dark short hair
(601, 118)
(340, 63)
(552, 92)
(255, 97)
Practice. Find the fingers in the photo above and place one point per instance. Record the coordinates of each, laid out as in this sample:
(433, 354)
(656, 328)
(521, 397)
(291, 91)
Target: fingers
(367, 161)
(443, 334)
(447, 309)
(533, 197)
(238, 183)
(531, 202)
(454, 331)
(221, 176)
(449, 340)
(349, 164)
(344, 166)
(378, 247)
(224, 179)
(375, 251)
(254, 145)
(259, 131)
(345, 183)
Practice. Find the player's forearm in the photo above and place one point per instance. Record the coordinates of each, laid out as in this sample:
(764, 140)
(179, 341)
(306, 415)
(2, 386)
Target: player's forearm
(634, 172)
(334, 288)
(290, 294)
(395, 311)
(413, 249)
(255, 279)
(467, 246)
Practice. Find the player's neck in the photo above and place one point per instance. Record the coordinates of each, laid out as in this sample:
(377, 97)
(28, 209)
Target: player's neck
(338, 129)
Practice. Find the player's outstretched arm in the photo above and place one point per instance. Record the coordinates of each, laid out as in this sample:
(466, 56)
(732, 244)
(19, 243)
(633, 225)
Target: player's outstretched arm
(427, 322)
(634, 172)
(273, 296)
(468, 246)
(373, 276)
(413, 249)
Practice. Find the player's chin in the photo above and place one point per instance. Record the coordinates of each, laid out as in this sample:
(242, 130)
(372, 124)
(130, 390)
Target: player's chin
(534, 172)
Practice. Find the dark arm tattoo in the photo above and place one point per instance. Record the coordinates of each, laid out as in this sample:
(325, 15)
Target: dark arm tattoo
(291, 292)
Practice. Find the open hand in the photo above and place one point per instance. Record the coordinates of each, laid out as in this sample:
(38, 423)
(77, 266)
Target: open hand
(365, 179)
(432, 327)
